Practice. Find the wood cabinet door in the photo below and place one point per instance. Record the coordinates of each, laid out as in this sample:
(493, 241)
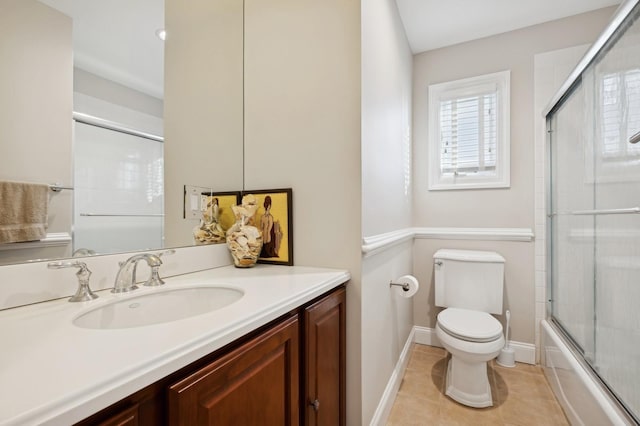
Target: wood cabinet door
(325, 361)
(255, 384)
(127, 417)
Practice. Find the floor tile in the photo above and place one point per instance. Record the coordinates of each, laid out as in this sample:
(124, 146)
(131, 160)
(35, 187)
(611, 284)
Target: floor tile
(521, 395)
(421, 385)
(453, 413)
(408, 411)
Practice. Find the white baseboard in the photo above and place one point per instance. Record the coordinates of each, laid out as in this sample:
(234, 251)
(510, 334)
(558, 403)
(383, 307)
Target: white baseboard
(426, 336)
(524, 352)
(381, 415)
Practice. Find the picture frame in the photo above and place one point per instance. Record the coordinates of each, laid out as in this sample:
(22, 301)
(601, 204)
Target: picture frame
(225, 201)
(274, 219)
(210, 231)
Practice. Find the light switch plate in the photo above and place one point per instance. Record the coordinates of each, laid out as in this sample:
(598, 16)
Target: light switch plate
(194, 201)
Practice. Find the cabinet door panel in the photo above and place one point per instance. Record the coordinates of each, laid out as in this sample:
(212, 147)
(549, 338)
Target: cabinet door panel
(256, 384)
(128, 417)
(325, 361)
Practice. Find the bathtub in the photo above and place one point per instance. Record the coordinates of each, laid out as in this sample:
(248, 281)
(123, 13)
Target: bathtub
(584, 400)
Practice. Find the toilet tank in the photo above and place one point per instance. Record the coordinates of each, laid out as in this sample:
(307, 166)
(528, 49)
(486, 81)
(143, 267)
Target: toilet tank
(469, 280)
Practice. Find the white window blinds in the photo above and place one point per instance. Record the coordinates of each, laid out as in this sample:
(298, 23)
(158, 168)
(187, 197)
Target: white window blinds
(620, 110)
(468, 134)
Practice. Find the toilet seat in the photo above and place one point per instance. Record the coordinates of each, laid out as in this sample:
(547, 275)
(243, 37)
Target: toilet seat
(468, 325)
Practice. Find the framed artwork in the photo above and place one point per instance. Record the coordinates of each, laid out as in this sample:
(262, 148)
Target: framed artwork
(274, 219)
(217, 216)
(225, 200)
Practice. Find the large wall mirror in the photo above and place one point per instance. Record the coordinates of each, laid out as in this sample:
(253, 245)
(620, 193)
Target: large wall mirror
(93, 100)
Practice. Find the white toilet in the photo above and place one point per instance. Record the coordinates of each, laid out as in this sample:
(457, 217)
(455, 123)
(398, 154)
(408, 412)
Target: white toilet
(469, 284)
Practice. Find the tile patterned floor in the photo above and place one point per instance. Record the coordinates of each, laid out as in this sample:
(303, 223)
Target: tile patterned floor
(521, 396)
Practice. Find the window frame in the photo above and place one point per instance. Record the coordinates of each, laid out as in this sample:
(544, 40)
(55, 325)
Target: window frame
(622, 151)
(474, 86)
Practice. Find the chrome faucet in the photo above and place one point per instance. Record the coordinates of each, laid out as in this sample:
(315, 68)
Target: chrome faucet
(126, 278)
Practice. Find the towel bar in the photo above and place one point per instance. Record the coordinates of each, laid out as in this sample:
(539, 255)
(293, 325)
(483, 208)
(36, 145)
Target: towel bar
(56, 187)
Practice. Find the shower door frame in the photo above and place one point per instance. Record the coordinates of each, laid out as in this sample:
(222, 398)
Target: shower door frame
(571, 84)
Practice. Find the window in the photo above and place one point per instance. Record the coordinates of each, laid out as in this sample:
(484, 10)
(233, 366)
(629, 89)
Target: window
(469, 133)
(620, 112)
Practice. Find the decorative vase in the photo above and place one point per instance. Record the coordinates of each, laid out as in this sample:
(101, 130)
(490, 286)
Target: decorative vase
(209, 231)
(244, 240)
(245, 243)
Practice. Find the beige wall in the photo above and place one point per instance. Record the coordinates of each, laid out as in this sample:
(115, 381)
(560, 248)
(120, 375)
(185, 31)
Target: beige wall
(202, 105)
(302, 130)
(387, 64)
(36, 88)
(500, 208)
(387, 319)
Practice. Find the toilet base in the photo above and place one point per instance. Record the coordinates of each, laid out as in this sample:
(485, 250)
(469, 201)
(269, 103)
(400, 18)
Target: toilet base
(468, 383)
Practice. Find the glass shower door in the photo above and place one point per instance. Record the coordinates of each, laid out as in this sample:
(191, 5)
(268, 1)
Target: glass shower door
(572, 291)
(595, 214)
(616, 88)
(119, 191)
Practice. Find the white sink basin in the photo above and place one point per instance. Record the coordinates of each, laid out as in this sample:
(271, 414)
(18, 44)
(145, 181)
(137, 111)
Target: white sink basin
(158, 307)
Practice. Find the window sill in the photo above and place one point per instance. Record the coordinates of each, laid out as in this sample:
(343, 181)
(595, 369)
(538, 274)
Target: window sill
(446, 186)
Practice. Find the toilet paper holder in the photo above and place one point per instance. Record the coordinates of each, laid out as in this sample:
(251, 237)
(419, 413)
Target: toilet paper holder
(408, 283)
(405, 286)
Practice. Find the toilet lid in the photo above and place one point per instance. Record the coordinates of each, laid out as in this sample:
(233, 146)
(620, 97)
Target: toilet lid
(474, 326)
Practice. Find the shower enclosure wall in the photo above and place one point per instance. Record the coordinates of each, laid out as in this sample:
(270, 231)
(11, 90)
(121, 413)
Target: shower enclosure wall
(119, 187)
(594, 211)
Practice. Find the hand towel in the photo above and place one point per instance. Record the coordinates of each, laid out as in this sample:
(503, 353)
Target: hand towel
(23, 211)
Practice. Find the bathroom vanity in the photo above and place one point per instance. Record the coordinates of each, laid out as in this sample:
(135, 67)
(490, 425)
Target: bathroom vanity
(274, 356)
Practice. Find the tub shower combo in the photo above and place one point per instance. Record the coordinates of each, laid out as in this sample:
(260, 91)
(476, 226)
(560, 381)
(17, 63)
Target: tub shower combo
(591, 339)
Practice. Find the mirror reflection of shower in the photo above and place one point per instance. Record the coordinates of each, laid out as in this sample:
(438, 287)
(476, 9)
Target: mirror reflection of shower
(118, 91)
(119, 187)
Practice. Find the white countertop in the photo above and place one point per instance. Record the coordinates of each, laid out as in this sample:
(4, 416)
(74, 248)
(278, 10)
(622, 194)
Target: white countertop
(53, 372)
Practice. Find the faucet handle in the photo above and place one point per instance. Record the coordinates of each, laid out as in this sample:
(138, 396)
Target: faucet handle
(83, 252)
(155, 280)
(84, 293)
(166, 252)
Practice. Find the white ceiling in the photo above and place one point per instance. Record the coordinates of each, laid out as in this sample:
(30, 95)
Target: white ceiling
(431, 24)
(116, 40)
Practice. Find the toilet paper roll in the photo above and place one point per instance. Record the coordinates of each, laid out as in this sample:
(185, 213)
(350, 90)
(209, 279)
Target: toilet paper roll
(411, 281)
